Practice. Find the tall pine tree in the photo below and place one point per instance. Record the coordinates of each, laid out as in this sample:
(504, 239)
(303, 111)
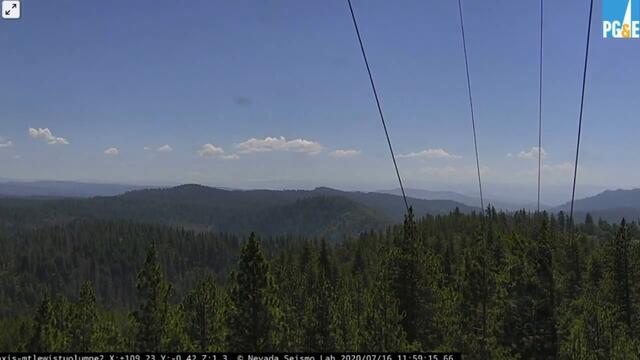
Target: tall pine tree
(254, 313)
(205, 311)
(85, 321)
(153, 299)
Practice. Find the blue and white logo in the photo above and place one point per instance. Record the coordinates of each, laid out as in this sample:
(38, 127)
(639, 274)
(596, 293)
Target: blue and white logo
(621, 19)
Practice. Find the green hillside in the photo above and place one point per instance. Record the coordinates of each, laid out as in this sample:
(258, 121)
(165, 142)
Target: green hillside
(321, 212)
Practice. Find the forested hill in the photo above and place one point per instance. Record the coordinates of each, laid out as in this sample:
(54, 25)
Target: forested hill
(393, 205)
(610, 205)
(322, 212)
(464, 199)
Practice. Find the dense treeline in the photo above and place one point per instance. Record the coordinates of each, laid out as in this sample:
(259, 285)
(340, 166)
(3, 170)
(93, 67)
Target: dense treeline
(192, 207)
(502, 286)
(107, 254)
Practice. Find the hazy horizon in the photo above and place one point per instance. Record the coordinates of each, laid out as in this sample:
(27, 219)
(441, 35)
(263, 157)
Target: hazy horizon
(515, 194)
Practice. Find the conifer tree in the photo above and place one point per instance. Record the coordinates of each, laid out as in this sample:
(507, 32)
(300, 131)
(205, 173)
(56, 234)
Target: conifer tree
(44, 334)
(318, 317)
(404, 272)
(85, 321)
(346, 316)
(472, 283)
(51, 326)
(62, 321)
(530, 320)
(205, 316)
(253, 317)
(320, 299)
(287, 274)
(382, 324)
(544, 297)
(153, 298)
(108, 336)
(175, 336)
(618, 274)
(589, 226)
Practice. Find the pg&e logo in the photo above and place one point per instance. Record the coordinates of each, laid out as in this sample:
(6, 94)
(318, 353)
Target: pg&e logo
(621, 19)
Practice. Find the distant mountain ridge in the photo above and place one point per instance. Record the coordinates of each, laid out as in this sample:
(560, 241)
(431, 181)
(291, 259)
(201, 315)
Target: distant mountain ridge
(608, 199)
(392, 206)
(62, 189)
(461, 198)
(321, 212)
(214, 208)
(610, 205)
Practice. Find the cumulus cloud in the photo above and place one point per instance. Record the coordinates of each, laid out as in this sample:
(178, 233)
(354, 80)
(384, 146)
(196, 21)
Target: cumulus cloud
(430, 154)
(346, 153)
(254, 145)
(5, 143)
(530, 154)
(210, 150)
(112, 151)
(147, 148)
(164, 148)
(46, 135)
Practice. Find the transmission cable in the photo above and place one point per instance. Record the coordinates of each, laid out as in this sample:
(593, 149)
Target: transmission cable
(540, 101)
(473, 121)
(475, 145)
(375, 94)
(584, 82)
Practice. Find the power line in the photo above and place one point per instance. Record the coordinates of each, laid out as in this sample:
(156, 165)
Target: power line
(584, 82)
(475, 145)
(473, 121)
(540, 101)
(375, 94)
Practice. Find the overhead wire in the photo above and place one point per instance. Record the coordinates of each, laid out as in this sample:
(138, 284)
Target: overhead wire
(540, 80)
(375, 94)
(471, 107)
(473, 121)
(475, 146)
(584, 82)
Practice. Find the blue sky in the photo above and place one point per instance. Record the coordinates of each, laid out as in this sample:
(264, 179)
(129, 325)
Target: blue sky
(277, 88)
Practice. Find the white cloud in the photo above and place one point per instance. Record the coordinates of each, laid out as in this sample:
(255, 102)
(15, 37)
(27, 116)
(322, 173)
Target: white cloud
(531, 154)
(210, 150)
(5, 143)
(17, 156)
(230, 157)
(347, 153)
(147, 148)
(46, 135)
(254, 145)
(112, 152)
(164, 148)
(430, 153)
